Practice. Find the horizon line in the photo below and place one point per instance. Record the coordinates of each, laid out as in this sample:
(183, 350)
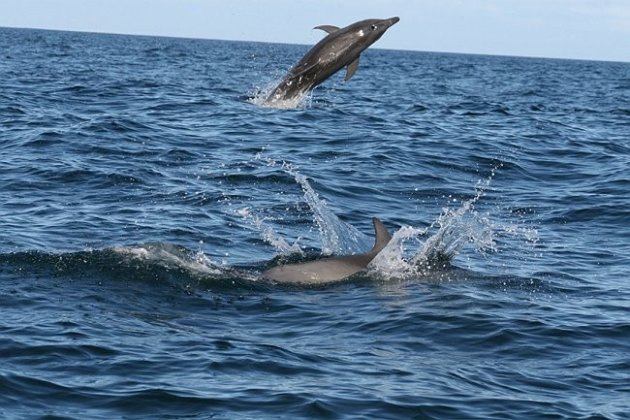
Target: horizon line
(293, 43)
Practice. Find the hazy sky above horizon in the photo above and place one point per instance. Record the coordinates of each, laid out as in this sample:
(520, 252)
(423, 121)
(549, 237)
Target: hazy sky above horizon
(582, 29)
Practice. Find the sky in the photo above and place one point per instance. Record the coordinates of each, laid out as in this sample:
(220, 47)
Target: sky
(580, 29)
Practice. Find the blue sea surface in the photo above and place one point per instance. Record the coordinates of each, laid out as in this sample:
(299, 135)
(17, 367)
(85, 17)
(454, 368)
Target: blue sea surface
(143, 192)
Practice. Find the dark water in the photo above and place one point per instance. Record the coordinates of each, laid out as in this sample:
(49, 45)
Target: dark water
(141, 197)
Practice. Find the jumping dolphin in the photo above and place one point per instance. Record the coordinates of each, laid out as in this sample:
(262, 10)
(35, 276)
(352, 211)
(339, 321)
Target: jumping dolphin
(340, 48)
(330, 269)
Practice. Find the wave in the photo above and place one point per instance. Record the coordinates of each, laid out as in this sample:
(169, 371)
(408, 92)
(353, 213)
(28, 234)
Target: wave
(151, 263)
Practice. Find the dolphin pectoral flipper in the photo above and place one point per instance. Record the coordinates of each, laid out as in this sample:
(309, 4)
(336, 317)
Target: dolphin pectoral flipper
(327, 28)
(352, 68)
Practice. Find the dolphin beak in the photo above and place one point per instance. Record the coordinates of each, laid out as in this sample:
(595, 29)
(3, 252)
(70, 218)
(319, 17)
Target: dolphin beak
(392, 21)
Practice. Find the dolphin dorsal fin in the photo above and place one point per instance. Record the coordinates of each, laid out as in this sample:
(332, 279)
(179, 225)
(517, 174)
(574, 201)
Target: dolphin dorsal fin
(352, 68)
(327, 28)
(382, 236)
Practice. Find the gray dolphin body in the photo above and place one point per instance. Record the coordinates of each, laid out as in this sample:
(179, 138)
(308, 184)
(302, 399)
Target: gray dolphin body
(327, 270)
(340, 48)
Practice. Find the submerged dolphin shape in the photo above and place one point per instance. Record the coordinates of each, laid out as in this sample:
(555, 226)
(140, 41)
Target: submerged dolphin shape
(330, 269)
(340, 48)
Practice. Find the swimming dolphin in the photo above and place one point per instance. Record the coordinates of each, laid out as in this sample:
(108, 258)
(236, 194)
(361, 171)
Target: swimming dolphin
(330, 269)
(340, 48)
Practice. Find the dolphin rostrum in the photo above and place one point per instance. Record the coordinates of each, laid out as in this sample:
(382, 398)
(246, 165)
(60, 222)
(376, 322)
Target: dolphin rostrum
(330, 269)
(340, 48)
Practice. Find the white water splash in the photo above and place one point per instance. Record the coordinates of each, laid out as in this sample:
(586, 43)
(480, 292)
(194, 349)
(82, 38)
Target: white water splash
(408, 256)
(171, 256)
(336, 236)
(456, 228)
(268, 234)
(394, 259)
(261, 98)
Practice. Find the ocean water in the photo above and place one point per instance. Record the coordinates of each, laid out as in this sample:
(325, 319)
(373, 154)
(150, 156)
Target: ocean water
(143, 192)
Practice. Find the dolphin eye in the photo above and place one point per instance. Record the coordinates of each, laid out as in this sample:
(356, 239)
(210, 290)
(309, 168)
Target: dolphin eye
(374, 27)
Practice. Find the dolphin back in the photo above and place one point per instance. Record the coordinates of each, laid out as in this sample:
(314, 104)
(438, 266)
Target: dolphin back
(330, 269)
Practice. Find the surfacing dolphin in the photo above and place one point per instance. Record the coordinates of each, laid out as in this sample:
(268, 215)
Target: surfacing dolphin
(341, 47)
(327, 270)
